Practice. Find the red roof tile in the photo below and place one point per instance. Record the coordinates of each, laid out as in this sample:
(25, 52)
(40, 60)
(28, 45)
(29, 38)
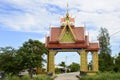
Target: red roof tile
(55, 32)
(93, 46)
(71, 19)
(79, 33)
(62, 20)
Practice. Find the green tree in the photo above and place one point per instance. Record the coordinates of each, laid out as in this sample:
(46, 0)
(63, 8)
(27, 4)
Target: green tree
(104, 40)
(62, 64)
(8, 61)
(117, 64)
(105, 59)
(31, 54)
(74, 67)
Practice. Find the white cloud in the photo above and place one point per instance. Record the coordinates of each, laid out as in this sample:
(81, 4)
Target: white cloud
(35, 16)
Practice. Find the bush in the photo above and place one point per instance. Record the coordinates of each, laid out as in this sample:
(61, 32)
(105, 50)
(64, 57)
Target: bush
(102, 76)
(57, 70)
(41, 77)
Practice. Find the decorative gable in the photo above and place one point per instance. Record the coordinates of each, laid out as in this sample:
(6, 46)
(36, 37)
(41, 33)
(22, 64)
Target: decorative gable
(67, 36)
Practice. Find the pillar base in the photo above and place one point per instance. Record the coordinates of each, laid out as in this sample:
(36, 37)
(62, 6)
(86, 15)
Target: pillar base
(83, 73)
(91, 72)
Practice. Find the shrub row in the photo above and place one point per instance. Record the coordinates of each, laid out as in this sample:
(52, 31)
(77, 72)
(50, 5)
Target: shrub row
(102, 76)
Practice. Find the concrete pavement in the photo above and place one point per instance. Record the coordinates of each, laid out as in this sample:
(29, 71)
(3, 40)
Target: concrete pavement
(67, 76)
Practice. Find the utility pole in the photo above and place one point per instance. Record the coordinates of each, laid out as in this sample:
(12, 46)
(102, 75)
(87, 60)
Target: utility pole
(65, 64)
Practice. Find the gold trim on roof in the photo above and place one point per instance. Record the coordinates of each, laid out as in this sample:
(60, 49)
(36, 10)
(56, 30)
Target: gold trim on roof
(63, 31)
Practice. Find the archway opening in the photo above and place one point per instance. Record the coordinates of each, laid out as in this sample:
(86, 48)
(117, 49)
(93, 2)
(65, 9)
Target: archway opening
(90, 61)
(67, 62)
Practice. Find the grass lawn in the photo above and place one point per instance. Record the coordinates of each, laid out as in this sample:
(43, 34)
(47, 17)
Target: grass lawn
(38, 77)
(102, 76)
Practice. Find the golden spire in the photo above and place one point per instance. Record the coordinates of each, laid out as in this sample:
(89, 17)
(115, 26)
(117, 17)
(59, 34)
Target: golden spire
(67, 14)
(67, 8)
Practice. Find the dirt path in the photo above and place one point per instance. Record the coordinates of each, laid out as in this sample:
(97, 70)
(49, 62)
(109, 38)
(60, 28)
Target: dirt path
(67, 76)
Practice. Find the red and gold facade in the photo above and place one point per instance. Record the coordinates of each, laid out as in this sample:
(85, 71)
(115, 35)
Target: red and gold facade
(68, 37)
(80, 39)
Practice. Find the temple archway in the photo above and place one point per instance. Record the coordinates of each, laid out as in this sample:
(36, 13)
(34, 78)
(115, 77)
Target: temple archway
(68, 58)
(68, 38)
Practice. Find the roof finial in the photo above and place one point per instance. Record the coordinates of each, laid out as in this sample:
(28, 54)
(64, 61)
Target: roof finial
(67, 14)
(67, 8)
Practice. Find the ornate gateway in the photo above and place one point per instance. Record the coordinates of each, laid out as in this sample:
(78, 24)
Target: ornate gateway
(69, 38)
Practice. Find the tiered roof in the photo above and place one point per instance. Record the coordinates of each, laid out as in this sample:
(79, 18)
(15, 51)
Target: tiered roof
(79, 40)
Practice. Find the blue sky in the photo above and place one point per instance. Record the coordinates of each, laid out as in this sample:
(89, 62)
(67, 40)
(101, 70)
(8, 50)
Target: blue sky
(21, 20)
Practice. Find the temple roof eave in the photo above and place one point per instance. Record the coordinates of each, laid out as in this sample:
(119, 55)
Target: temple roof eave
(91, 46)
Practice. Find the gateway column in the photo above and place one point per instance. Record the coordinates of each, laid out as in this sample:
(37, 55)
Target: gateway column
(95, 61)
(50, 64)
(83, 55)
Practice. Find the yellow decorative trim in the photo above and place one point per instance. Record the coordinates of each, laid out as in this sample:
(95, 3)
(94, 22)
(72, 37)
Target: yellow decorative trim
(67, 36)
(72, 32)
(63, 31)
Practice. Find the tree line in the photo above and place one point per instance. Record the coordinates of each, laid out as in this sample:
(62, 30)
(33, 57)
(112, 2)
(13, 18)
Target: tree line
(28, 56)
(106, 61)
